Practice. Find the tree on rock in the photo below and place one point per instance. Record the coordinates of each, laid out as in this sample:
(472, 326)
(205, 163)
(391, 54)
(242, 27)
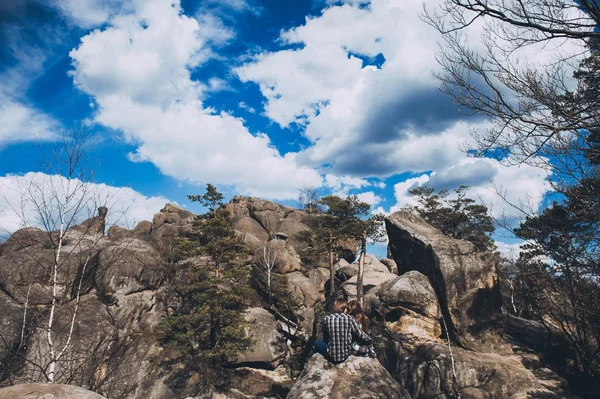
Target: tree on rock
(207, 330)
(455, 215)
(343, 220)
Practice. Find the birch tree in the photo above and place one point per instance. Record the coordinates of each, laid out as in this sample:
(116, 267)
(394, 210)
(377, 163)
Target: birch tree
(59, 198)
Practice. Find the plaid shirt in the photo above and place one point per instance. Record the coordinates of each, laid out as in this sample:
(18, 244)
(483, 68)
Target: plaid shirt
(338, 331)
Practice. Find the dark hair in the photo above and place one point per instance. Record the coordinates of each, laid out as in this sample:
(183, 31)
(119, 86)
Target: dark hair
(355, 310)
(340, 306)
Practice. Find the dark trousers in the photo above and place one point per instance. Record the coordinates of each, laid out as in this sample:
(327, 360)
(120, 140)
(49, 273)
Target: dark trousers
(321, 347)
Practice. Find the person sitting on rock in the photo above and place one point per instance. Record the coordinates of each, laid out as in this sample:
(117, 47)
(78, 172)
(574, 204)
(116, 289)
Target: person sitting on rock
(360, 347)
(339, 331)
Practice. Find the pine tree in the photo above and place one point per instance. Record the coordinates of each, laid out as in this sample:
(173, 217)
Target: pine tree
(458, 217)
(207, 330)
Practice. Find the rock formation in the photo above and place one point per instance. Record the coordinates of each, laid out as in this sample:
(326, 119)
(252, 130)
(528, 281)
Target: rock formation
(47, 391)
(116, 349)
(356, 378)
(463, 278)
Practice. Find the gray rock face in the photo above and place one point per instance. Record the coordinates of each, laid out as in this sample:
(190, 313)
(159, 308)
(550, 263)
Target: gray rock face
(269, 347)
(131, 266)
(357, 377)
(319, 277)
(247, 225)
(303, 290)
(47, 391)
(408, 304)
(391, 265)
(464, 280)
(371, 279)
(285, 257)
(11, 326)
(426, 372)
(268, 219)
(143, 230)
(171, 222)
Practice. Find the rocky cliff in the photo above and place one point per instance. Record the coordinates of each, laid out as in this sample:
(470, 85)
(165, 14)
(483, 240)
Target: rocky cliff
(433, 290)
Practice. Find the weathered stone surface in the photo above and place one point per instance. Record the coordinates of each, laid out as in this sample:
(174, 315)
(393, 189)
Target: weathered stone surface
(268, 219)
(248, 206)
(143, 230)
(297, 214)
(285, 258)
(94, 225)
(11, 326)
(27, 237)
(371, 279)
(118, 233)
(371, 264)
(129, 267)
(391, 265)
(257, 383)
(26, 265)
(426, 372)
(303, 290)
(246, 224)
(357, 377)
(464, 279)
(269, 347)
(47, 391)
(177, 215)
(319, 277)
(408, 304)
(250, 240)
(291, 228)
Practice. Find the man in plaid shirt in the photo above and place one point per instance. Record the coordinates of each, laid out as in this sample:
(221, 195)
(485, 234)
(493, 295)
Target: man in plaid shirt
(340, 330)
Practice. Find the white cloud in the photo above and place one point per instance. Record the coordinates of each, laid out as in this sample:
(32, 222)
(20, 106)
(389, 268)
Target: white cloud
(370, 198)
(519, 185)
(366, 121)
(138, 71)
(18, 192)
(91, 13)
(20, 120)
(23, 123)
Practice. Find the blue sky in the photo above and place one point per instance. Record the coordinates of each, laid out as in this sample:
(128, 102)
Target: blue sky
(260, 98)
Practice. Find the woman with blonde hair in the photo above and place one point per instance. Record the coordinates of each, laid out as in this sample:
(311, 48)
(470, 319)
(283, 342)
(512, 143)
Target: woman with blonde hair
(360, 347)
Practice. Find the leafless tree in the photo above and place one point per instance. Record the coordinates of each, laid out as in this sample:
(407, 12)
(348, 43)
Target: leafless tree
(308, 197)
(498, 78)
(266, 260)
(59, 199)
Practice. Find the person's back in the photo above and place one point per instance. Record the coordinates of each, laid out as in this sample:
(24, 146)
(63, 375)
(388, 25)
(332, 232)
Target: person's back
(339, 329)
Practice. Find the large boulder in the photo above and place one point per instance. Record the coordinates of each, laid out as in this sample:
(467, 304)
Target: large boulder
(269, 346)
(303, 290)
(371, 264)
(171, 222)
(47, 391)
(291, 228)
(249, 206)
(143, 230)
(281, 254)
(431, 370)
(371, 279)
(247, 225)
(408, 304)
(27, 263)
(268, 219)
(319, 276)
(357, 377)
(132, 266)
(463, 278)
(11, 327)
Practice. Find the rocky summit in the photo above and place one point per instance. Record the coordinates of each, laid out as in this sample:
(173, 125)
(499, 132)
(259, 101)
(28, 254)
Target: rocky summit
(434, 302)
